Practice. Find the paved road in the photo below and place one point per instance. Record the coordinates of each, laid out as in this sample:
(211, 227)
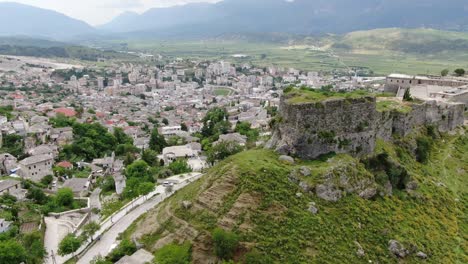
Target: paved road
(56, 230)
(103, 246)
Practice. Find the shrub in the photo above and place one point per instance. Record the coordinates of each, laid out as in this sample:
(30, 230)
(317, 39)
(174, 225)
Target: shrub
(69, 244)
(423, 150)
(174, 254)
(126, 247)
(225, 243)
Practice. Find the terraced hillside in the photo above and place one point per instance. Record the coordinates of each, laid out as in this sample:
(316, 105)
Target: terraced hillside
(333, 210)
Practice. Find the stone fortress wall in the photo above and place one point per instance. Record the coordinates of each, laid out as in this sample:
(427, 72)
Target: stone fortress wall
(308, 130)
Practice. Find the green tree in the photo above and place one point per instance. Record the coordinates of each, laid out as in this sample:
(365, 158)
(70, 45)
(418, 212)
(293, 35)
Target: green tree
(223, 150)
(244, 128)
(179, 166)
(165, 121)
(126, 247)
(12, 252)
(47, 180)
(225, 243)
(64, 197)
(13, 144)
(145, 188)
(407, 96)
(37, 195)
(69, 244)
(174, 254)
(157, 141)
(444, 72)
(138, 169)
(90, 229)
(150, 157)
(121, 137)
(459, 72)
(33, 243)
(215, 122)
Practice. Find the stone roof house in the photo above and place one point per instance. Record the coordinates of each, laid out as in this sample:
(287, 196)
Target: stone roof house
(36, 167)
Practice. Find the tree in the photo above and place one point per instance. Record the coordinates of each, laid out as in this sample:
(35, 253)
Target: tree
(12, 252)
(69, 244)
(157, 142)
(37, 195)
(150, 157)
(90, 229)
(459, 72)
(138, 169)
(215, 122)
(174, 254)
(407, 96)
(223, 150)
(121, 137)
(179, 166)
(165, 121)
(225, 243)
(126, 247)
(47, 180)
(64, 197)
(145, 188)
(184, 127)
(244, 128)
(33, 243)
(444, 72)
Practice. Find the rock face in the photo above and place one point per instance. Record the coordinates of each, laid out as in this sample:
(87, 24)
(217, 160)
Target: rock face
(308, 130)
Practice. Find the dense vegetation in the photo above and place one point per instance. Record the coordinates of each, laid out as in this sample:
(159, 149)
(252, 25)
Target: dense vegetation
(275, 224)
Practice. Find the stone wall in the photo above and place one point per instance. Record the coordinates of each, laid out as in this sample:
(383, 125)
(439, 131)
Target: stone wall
(308, 130)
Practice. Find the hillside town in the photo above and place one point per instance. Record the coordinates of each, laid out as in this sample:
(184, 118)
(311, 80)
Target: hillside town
(89, 130)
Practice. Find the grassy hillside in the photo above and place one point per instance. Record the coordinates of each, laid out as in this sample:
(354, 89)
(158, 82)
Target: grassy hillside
(251, 195)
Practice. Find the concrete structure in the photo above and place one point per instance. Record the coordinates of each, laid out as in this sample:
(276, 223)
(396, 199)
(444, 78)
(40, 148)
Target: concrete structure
(395, 81)
(36, 167)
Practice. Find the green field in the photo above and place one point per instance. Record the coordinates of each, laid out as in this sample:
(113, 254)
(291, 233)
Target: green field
(222, 92)
(419, 51)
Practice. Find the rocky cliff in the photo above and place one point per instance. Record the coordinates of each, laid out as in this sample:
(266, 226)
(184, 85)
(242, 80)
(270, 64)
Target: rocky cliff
(352, 125)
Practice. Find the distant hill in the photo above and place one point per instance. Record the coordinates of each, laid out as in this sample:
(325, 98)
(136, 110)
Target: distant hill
(296, 17)
(18, 19)
(416, 41)
(23, 46)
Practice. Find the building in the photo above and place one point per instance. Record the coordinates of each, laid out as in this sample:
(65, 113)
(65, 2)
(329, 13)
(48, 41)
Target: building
(36, 167)
(13, 188)
(170, 131)
(233, 137)
(79, 186)
(171, 154)
(395, 81)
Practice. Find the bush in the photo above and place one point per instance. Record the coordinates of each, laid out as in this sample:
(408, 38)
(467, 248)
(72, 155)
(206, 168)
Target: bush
(174, 254)
(126, 247)
(256, 257)
(225, 243)
(64, 197)
(12, 252)
(69, 244)
(423, 150)
(47, 180)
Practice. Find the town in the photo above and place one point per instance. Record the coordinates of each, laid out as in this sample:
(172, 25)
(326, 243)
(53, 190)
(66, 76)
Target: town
(80, 144)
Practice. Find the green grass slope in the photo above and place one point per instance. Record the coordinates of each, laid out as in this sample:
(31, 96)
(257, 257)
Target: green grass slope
(251, 195)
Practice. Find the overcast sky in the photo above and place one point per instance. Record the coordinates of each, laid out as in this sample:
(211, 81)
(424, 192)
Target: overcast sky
(97, 12)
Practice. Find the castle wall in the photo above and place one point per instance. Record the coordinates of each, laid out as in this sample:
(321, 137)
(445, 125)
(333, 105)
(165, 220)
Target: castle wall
(352, 126)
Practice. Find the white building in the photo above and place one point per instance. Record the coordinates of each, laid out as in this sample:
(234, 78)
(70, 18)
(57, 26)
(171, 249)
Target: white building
(36, 167)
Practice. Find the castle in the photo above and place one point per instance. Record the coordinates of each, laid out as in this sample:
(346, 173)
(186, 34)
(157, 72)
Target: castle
(353, 125)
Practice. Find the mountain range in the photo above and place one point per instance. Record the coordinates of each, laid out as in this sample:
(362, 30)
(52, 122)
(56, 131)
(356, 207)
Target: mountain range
(23, 20)
(243, 16)
(297, 17)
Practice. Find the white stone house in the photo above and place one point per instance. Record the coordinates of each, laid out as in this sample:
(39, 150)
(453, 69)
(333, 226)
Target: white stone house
(36, 167)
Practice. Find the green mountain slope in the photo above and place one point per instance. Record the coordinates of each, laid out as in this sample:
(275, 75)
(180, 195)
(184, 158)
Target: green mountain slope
(252, 195)
(419, 41)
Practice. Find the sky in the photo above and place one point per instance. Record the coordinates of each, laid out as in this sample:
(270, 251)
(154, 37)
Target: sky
(97, 12)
